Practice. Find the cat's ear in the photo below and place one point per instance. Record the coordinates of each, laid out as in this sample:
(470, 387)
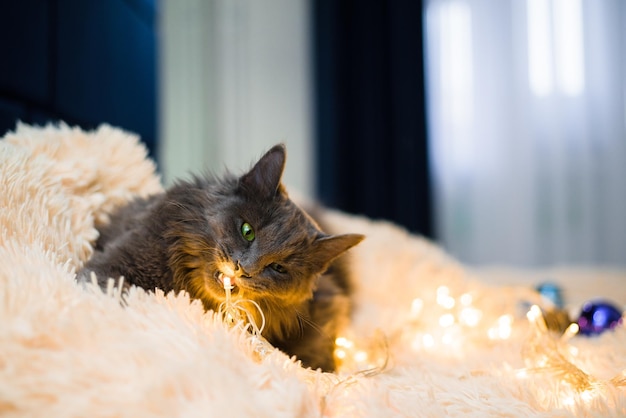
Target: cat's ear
(264, 178)
(327, 248)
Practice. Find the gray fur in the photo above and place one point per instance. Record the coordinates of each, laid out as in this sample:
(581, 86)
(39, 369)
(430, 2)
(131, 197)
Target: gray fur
(182, 239)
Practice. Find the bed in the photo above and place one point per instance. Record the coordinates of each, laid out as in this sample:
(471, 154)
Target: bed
(430, 337)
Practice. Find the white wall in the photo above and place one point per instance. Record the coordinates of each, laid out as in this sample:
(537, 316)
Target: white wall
(235, 80)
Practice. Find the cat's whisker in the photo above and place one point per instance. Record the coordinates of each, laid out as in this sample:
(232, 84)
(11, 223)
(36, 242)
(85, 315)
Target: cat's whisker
(301, 323)
(303, 320)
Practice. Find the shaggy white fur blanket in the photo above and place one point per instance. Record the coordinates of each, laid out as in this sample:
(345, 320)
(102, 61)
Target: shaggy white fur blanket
(456, 343)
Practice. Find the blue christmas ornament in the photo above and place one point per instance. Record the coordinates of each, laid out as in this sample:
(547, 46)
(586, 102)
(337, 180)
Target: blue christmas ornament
(598, 316)
(552, 293)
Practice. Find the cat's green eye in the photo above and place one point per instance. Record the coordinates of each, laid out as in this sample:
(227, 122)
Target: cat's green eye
(247, 232)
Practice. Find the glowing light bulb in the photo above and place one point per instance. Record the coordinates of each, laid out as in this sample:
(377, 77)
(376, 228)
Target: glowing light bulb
(446, 320)
(466, 299)
(428, 341)
(360, 356)
(587, 395)
(570, 332)
(503, 328)
(470, 316)
(535, 316)
(231, 313)
(505, 320)
(344, 342)
(444, 299)
(447, 338)
(416, 307)
(533, 313)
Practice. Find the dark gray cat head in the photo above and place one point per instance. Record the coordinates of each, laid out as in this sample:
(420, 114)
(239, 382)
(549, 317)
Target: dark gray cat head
(248, 229)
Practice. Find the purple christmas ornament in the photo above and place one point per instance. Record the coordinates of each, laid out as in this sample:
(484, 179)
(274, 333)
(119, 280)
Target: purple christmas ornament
(597, 316)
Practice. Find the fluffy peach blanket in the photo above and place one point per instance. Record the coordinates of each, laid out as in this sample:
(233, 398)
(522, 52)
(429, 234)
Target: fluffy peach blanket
(429, 337)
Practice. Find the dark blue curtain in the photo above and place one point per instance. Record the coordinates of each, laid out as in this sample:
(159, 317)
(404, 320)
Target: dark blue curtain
(81, 61)
(370, 110)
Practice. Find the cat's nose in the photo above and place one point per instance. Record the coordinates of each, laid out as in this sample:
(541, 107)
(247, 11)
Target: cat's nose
(239, 270)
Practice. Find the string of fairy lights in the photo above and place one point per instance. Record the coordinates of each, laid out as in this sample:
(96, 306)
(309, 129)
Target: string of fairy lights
(453, 322)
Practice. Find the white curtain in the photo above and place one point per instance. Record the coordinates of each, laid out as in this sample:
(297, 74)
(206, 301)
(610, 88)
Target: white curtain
(527, 122)
(235, 80)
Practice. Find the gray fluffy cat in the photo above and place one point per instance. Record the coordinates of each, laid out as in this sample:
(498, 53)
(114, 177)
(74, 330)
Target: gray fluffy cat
(197, 232)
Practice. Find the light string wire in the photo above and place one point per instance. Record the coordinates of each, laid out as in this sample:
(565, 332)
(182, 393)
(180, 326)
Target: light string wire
(234, 312)
(336, 382)
(546, 352)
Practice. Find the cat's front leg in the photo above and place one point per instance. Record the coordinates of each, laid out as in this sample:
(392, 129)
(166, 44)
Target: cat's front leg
(327, 314)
